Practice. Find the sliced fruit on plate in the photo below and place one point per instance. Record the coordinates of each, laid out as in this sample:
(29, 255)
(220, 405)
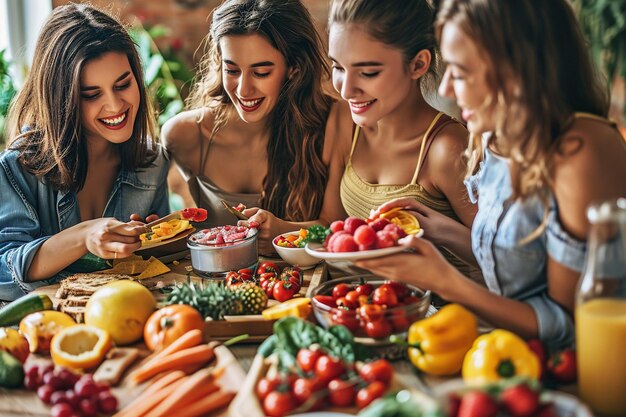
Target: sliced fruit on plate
(296, 307)
(194, 214)
(163, 231)
(80, 346)
(402, 218)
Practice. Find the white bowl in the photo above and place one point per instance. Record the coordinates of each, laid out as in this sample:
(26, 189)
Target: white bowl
(295, 256)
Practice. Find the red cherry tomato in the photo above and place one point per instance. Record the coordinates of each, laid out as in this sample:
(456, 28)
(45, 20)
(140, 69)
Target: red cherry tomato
(268, 267)
(385, 295)
(340, 290)
(400, 288)
(379, 370)
(365, 289)
(278, 404)
(371, 312)
(341, 393)
(307, 358)
(378, 329)
(370, 393)
(346, 318)
(265, 386)
(327, 368)
(327, 300)
(284, 290)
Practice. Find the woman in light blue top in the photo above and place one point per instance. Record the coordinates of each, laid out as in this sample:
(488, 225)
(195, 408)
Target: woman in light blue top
(520, 72)
(80, 161)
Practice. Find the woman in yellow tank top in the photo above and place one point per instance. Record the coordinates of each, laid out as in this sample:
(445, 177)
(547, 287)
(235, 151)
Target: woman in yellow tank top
(382, 56)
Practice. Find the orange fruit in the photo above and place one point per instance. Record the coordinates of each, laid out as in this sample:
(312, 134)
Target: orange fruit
(80, 346)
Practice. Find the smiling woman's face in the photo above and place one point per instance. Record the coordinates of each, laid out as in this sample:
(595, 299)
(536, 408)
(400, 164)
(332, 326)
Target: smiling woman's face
(253, 74)
(370, 75)
(109, 98)
(465, 79)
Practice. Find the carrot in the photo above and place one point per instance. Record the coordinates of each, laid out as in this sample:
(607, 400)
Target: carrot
(140, 409)
(195, 387)
(190, 339)
(202, 353)
(166, 380)
(206, 405)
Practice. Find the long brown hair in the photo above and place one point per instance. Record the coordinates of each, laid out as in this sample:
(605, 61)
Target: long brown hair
(296, 177)
(537, 44)
(406, 25)
(45, 119)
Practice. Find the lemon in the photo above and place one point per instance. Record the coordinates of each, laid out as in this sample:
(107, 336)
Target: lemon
(122, 309)
(297, 307)
(80, 346)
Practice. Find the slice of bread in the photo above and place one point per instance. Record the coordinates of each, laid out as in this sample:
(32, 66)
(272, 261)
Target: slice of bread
(86, 284)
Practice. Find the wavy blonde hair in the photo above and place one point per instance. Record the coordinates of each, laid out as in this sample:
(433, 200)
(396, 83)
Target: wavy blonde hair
(296, 179)
(539, 45)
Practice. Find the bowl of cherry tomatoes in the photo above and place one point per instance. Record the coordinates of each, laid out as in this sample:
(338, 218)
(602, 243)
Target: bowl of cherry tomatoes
(290, 247)
(371, 307)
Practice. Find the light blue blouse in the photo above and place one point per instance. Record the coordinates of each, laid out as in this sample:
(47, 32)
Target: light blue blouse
(31, 211)
(514, 270)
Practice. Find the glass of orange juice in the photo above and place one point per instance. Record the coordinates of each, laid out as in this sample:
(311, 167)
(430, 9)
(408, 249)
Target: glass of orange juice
(601, 312)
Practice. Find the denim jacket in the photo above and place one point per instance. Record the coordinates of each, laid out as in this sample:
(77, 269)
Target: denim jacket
(31, 211)
(514, 270)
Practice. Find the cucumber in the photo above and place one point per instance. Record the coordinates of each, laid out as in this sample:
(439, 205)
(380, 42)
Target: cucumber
(11, 371)
(88, 263)
(15, 311)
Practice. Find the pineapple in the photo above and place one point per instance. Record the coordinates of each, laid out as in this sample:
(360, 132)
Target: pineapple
(211, 299)
(253, 298)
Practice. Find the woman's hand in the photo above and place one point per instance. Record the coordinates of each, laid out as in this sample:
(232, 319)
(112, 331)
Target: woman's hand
(270, 226)
(425, 268)
(109, 238)
(436, 225)
(136, 217)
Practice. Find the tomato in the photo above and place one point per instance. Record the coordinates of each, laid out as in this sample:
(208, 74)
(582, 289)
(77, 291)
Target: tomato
(327, 300)
(371, 312)
(539, 349)
(353, 298)
(303, 388)
(378, 329)
(340, 290)
(265, 386)
(284, 290)
(307, 358)
(365, 289)
(385, 295)
(346, 318)
(562, 366)
(400, 288)
(169, 323)
(327, 368)
(399, 321)
(278, 404)
(370, 393)
(379, 370)
(341, 393)
(267, 267)
(343, 302)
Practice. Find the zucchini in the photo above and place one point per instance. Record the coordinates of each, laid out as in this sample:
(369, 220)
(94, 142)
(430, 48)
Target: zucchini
(11, 371)
(15, 311)
(88, 263)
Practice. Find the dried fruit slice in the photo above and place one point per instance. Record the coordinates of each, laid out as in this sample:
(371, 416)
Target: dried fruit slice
(402, 218)
(163, 231)
(80, 346)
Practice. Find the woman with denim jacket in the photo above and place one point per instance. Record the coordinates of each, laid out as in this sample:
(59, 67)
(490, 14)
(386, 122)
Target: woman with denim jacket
(541, 151)
(80, 162)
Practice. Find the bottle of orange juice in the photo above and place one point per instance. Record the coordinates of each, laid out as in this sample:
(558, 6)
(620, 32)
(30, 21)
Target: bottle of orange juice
(601, 312)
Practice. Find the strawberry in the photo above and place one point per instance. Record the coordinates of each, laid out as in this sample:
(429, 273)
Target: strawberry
(365, 235)
(343, 243)
(539, 349)
(520, 400)
(562, 366)
(477, 404)
(384, 240)
(336, 226)
(352, 223)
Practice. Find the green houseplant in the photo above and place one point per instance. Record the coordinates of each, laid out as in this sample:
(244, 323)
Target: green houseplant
(7, 92)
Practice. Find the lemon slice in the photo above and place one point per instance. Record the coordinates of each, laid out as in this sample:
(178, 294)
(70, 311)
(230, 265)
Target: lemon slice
(297, 307)
(80, 346)
(402, 218)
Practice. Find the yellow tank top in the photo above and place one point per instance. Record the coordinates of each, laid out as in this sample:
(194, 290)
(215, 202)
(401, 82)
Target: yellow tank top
(359, 197)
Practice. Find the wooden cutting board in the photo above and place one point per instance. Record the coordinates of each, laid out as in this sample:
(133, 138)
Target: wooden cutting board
(21, 403)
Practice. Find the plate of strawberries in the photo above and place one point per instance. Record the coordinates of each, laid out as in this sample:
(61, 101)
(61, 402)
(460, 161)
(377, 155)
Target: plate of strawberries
(354, 238)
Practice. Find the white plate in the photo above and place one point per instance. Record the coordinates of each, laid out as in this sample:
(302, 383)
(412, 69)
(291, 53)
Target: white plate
(317, 250)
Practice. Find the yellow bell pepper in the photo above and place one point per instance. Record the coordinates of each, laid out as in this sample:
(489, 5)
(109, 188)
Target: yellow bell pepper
(438, 344)
(499, 355)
